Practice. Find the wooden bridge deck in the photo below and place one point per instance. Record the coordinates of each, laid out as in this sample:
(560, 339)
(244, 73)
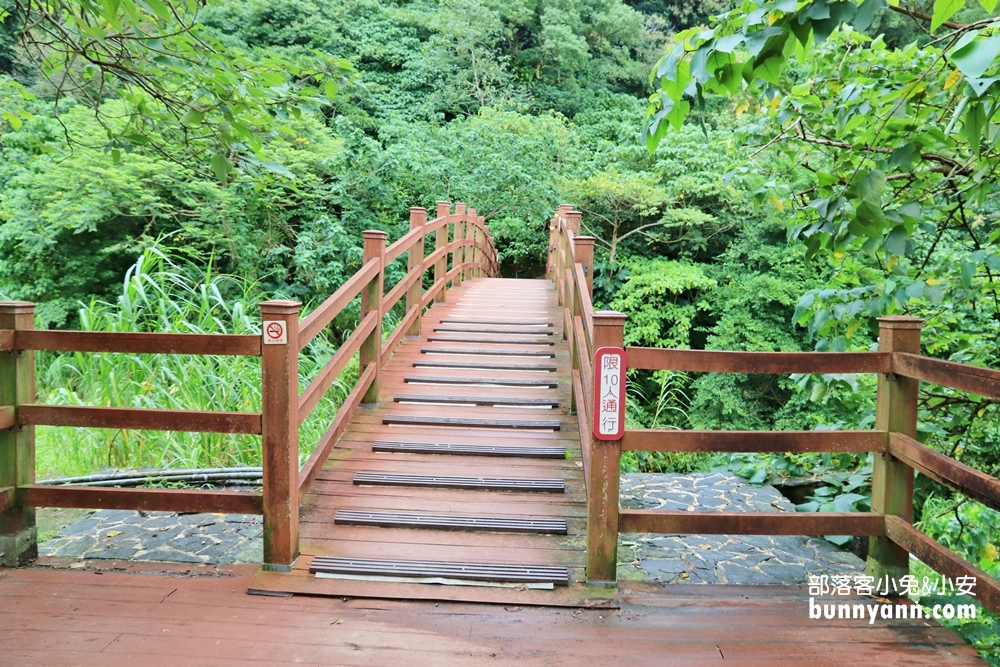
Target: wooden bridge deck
(454, 333)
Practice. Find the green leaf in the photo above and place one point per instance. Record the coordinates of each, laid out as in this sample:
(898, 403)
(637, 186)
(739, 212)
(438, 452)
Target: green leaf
(975, 121)
(944, 10)
(896, 241)
(728, 43)
(277, 169)
(974, 58)
(870, 187)
(192, 118)
(903, 155)
(158, 8)
(330, 87)
(759, 477)
(222, 167)
(968, 273)
(866, 14)
(988, 5)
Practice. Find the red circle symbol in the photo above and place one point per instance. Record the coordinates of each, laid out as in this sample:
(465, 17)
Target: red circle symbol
(275, 330)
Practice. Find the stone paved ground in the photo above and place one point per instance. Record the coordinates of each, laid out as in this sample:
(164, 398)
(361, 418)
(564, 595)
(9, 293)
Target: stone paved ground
(720, 559)
(160, 536)
(738, 559)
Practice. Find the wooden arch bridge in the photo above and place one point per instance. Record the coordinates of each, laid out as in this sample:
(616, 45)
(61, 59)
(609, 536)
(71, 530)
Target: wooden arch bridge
(465, 454)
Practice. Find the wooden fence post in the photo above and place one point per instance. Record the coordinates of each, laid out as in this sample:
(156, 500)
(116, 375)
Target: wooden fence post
(418, 218)
(280, 429)
(371, 300)
(605, 469)
(458, 257)
(18, 532)
(484, 239)
(440, 241)
(585, 256)
(470, 235)
(892, 480)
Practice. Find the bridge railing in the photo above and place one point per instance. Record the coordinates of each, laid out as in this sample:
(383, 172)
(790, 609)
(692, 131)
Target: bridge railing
(461, 248)
(897, 453)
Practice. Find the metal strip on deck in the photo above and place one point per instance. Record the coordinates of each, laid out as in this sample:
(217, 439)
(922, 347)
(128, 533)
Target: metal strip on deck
(468, 450)
(476, 400)
(485, 365)
(503, 382)
(490, 330)
(487, 353)
(526, 574)
(506, 341)
(536, 323)
(472, 422)
(352, 517)
(541, 485)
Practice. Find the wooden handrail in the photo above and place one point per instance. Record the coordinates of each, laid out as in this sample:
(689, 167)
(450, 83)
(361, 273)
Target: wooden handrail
(34, 414)
(397, 335)
(310, 327)
(974, 379)
(128, 341)
(397, 292)
(312, 394)
(778, 363)
(945, 470)
(404, 243)
(665, 440)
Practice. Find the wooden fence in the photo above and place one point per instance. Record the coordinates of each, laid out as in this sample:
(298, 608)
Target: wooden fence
(900, 368)
(461, 248)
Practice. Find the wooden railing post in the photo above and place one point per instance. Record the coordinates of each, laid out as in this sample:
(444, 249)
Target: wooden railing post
(585, 256)
(18, 532)
(458, 257)
(440, 241)
(418, 218)
(371, 300)
(485, 239)
(892, 480)
(470, 235)
(280, 429)
(605, 468)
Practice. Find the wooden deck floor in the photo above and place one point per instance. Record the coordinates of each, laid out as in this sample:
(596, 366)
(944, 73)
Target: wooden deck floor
(76, 617)
(473, 312)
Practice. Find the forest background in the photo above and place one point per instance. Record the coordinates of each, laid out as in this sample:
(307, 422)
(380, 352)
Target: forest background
(784, 175)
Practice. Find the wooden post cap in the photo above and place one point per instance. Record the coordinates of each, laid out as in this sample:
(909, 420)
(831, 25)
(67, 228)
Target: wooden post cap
(900, 322)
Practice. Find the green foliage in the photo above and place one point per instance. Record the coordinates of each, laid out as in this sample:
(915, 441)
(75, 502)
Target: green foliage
(158, 295)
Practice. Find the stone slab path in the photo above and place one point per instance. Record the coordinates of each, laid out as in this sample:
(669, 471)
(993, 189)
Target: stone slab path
(720, 559)
(703, 559)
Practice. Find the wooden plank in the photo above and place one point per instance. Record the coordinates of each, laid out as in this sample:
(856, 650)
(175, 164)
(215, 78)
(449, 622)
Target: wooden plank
(431, 569)
(397, 292)
(320, 453)
(312, 394)
(477, 400)
(943, 560)
(317, 320)
(537, 484)
(451, 522)
(506, 382)
(165, 500)
(491, 330)
(389, 347)
(491, 341)
(662, 440)
(491, 352)
(472, 422)
(779, 363)
(6, 339)
(404, 243)
(485, 365)
(151, 343)
(7, 417)
(750, 523)
(469, 449)
(943, 469)
(974, 379)
(140, 418)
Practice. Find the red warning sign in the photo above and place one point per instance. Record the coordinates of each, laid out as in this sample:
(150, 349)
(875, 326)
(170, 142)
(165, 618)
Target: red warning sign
(275, 333)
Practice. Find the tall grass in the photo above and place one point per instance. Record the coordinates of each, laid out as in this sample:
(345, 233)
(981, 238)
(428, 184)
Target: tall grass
(159, 295)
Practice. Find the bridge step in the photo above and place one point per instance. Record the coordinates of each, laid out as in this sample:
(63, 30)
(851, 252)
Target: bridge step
(536, 323)
(374, 567)
(477, 400)
(472, 422)
(505, 341)
(536, 484)
(490, 330)
(493, 353)
(502, 382)
(469, 450)
(485, 365)
(450, 522)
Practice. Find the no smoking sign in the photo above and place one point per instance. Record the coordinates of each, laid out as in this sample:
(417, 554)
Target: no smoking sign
(275, 333)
